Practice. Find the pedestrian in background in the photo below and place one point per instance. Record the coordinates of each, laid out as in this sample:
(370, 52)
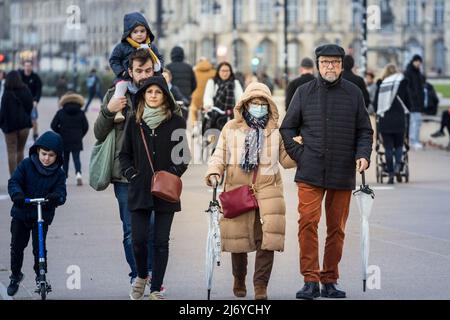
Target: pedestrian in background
(348, 74)
(71, 123)
(416, 82)
(392, 100)
(61, 86)
(93, 87)
(15, 117)
(306, 75)
(246, 147)
(203, 71)
(223, 91)
(183, 75)
(34, 83)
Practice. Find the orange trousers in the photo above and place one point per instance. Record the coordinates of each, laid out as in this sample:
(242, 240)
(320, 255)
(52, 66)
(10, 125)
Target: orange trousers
(337, 203)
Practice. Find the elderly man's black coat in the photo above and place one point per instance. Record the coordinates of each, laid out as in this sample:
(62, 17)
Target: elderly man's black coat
(336, 130)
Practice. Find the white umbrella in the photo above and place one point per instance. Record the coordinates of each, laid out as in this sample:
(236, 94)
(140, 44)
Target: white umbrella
(213, 244)
(364, 199)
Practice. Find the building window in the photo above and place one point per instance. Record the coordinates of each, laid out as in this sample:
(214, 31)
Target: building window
(238, 11)
(387, 16)
(292, 7)
(322, 12)
(439, 12)
(265, 9)
(207, 49)
(207, 6)
(356, 14)
(293, 56)
(411, 13)
(439, 57)
(241, 51)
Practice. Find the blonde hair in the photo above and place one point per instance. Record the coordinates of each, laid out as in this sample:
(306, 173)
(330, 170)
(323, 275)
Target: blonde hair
(389, 70)
(142, 105)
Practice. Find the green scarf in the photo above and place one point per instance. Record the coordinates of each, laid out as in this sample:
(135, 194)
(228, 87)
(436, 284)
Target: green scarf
(154, 116)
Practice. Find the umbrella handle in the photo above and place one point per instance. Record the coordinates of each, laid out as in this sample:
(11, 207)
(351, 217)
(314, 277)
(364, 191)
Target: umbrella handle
(363, 174)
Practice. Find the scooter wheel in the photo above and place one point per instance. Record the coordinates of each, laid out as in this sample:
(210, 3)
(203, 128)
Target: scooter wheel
(43, 291)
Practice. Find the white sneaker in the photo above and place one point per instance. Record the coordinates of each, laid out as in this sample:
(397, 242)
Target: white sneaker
(79, 179)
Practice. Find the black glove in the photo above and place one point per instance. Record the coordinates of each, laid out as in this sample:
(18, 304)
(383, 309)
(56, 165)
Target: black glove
(53, 198)
(130, 174)
(19, 200)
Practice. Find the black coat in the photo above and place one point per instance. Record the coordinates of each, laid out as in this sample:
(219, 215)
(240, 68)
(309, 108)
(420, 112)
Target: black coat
(432, 100)
(182, 74)
(294, 84)
(336, 130)
(416, 82)
(133, 159)
(15, 111)
(359, 82)
(394, 120)
(71, 123)
(34, 83)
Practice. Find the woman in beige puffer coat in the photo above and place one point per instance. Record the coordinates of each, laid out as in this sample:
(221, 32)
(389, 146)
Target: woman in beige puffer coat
(253, 134)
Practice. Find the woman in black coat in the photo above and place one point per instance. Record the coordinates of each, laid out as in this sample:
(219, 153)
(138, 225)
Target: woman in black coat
(165, 135)
(15, 117)
(392, 121)
(71, 123)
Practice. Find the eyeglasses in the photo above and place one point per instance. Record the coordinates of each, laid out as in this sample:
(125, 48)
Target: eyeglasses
(326, 63)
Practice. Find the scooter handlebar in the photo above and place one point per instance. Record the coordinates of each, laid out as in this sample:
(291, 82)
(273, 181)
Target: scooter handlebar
(36, 200)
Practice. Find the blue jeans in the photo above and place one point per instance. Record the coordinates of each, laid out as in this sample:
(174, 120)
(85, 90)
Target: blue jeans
(76, 161)
(121, 193)
(92, 95)
(415, 121)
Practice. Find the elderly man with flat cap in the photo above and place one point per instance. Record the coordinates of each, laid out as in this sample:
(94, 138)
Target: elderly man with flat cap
(327, 131)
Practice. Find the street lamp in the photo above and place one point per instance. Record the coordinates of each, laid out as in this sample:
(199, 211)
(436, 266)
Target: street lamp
(278, 7)
(364, 46)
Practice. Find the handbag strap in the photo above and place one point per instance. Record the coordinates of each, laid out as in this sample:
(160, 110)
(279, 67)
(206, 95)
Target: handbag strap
(146, 148)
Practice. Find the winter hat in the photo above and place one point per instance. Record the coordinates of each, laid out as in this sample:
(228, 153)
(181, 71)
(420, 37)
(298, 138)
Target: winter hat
(307, 63)
(416, 57)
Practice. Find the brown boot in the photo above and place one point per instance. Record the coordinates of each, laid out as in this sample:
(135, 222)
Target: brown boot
(260, 292)
(239, 288)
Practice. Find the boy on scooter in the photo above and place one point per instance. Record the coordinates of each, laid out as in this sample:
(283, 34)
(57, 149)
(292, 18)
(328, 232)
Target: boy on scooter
(38, 176)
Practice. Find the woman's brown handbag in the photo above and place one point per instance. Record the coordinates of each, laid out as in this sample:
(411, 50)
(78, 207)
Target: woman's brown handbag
(165, 185)
(240, 200)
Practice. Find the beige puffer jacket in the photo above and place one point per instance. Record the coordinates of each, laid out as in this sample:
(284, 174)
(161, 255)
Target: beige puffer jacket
(238, 233)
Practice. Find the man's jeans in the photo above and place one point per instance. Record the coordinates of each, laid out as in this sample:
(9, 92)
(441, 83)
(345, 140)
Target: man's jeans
(121, 192)
(415, 121)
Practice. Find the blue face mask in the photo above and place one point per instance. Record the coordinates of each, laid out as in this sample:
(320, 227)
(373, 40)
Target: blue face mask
(258, 110)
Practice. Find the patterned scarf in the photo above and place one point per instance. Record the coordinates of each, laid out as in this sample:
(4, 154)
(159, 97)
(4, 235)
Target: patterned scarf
(224, 97)
(253, 141)
(147, 45)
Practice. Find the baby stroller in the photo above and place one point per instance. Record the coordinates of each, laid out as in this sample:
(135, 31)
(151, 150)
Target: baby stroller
(213, 122)
(381, 165)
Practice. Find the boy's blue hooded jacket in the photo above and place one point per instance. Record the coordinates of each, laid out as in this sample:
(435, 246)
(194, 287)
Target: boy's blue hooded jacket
(119, 57)
(33, 180)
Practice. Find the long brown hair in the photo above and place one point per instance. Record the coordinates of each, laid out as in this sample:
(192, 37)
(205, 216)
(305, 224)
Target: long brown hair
(141, 105)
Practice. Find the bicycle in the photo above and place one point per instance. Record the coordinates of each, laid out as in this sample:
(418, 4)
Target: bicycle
(43, 288)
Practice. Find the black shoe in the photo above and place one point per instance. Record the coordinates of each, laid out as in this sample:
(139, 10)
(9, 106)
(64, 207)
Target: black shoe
(309, 291)
(329, 290)
(391, 180)
(14, 284)
(438, 134)
(397, 172)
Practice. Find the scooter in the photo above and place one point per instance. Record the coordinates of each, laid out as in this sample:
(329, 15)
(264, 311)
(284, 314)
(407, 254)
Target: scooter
(43, 288)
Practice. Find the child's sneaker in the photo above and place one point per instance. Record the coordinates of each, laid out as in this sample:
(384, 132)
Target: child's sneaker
(156, 295)
(138, 289)
(79, 179)
(14, 284)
